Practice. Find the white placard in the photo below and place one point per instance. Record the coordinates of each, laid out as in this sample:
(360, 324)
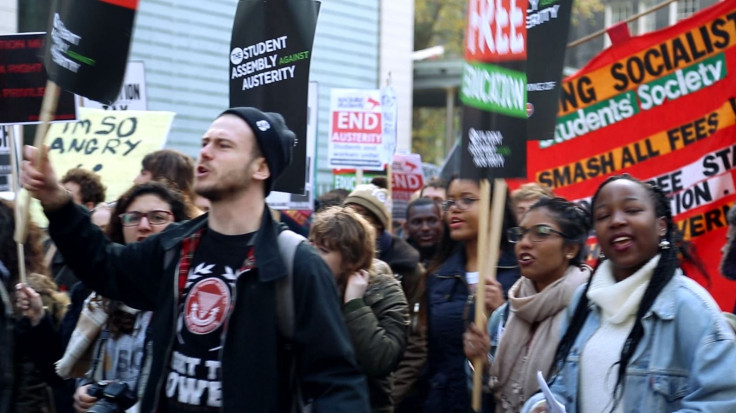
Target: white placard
(132, 95)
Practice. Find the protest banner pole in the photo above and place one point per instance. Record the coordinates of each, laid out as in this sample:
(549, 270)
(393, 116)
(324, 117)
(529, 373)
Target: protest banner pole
(358, 176)
(627, 20)
(480, 312)
(17, 210)
(390, 188)
(48, 108)
(489, 245)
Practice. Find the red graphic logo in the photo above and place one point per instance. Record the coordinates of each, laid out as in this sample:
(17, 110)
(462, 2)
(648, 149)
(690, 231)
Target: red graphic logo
(206, 306)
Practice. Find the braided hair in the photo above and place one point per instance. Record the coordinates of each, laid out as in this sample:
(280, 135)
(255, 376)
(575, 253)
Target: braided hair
(663, 273)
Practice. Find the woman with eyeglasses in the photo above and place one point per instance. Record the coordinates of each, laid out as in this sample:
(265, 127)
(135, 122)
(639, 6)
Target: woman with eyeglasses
(450, 294)
(117, 331)
(142, 211)
(522, 334)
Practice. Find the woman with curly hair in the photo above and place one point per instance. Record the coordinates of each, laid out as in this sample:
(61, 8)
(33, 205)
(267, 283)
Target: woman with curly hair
(522, 334)
(108, 330)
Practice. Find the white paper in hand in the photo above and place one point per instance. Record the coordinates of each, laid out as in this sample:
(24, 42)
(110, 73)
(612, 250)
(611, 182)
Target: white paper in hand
(553, 406)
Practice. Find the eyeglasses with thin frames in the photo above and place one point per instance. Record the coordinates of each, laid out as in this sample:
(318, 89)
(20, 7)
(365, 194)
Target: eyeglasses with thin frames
(157, 217)
(537, 233)
(460, 203)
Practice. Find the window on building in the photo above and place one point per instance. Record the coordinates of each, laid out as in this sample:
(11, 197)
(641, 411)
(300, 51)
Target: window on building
(621, 11)
(646, 23)
(686, 8)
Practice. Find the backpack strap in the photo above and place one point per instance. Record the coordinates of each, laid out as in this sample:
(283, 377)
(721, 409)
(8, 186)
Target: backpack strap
(288, 243)
(285, 314)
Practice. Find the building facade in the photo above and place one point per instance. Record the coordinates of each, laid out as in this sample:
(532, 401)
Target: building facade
(185, 45)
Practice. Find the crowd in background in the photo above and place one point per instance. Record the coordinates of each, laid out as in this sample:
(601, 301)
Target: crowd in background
(632, 332)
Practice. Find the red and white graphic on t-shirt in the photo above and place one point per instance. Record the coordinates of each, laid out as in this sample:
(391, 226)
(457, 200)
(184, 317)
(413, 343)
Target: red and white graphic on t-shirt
(206, 306)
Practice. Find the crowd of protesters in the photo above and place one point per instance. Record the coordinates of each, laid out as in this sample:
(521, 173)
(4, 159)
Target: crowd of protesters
(182, 295)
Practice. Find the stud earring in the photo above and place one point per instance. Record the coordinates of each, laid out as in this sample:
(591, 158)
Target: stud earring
(664, 244)
(601, 255)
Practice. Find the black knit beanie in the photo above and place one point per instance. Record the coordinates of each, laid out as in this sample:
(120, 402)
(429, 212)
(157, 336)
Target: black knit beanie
(274, 138)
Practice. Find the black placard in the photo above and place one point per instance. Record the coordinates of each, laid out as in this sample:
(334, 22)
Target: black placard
(547, 24)
(493, 145)
(23, 81)
(87, 46)
(271, 50)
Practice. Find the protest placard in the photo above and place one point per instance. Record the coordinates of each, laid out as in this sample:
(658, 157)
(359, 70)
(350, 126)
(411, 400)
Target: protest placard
(287, 201)
(111, 144)
(493, 90)
(23, 81)
(389, 119)
(87, 46)
(547, 23)
(407, 177)
(356, 130)
(348, 179)
(132, 94)
(661, 107)
(270, 54)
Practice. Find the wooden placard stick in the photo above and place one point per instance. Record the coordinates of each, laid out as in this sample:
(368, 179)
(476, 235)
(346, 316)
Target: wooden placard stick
(17, 210)
(22, 205)
(489, 246)
(390, 188)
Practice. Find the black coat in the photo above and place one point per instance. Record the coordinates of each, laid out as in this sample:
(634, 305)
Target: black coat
(254, 362)
(450, 308)
(6, 349)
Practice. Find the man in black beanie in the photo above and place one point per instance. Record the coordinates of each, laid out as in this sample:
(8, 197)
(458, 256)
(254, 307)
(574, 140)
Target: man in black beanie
(211, 284)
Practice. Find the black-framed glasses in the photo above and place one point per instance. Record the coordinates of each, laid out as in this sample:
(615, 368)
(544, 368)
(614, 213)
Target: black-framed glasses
(461, 203)
(133, 218)
(537, 233)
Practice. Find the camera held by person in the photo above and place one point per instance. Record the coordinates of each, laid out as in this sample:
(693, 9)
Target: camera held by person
(113, 397)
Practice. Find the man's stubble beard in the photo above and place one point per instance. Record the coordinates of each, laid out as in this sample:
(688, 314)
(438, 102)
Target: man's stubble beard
(232, 185)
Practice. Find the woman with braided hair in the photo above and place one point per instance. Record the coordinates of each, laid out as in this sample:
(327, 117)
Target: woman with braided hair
(522, 334)
(641, 336)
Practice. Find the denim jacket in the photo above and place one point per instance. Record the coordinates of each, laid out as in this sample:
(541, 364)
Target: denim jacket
(686, 361)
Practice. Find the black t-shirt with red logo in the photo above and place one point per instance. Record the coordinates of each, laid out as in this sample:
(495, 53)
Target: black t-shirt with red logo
(194, 381)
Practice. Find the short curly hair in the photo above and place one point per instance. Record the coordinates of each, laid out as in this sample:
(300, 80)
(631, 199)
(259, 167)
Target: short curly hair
(172, 165)
(531, 191)
(91, 188)
(343, 230)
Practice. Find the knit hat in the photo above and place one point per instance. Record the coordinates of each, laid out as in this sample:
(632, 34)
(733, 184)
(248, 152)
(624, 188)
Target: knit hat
(372, 198)
(274, 138)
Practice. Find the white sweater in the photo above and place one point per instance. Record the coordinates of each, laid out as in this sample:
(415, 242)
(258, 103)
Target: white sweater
(619, 302)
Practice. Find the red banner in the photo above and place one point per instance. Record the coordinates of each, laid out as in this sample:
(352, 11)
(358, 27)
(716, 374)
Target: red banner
(662, 108)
